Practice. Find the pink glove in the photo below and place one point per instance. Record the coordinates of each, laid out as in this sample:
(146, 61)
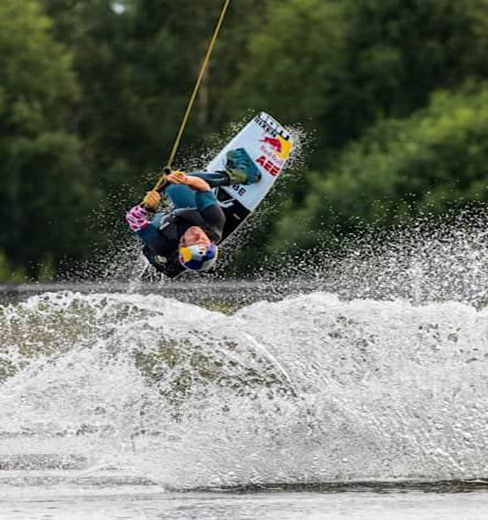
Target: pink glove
(137, 219)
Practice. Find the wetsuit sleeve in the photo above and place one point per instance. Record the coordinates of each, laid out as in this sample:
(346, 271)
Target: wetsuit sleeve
(138, 220)
(148, 234)
(214, 219)
(168, 266)
(149, 254)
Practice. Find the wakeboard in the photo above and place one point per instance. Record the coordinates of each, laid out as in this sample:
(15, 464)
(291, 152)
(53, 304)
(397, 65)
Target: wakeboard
(269, 145)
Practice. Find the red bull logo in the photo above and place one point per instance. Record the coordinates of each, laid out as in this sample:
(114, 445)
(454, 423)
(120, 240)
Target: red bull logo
(273, 142)
(280, 146)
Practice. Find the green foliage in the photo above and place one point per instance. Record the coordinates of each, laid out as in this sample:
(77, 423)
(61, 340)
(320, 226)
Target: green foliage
(9, 273)
(401, 168)
(340, 65)
(45, 186)
(36, 76)
(92, 93)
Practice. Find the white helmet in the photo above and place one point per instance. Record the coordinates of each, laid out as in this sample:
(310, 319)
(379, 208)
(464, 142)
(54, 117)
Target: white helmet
(198, 257)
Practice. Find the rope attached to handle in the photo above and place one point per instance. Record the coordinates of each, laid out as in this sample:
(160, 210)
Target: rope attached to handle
(189, 107)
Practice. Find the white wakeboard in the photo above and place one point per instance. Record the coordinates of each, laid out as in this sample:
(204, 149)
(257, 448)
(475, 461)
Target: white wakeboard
(269, 145)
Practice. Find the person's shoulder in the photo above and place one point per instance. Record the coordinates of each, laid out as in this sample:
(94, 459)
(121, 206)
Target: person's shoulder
(173, 266)
(160, 263)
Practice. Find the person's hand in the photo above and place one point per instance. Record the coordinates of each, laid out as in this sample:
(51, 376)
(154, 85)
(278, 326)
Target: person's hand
(151, 200)
(177, 177)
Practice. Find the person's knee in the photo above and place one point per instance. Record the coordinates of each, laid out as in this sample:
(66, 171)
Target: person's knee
(181, 196)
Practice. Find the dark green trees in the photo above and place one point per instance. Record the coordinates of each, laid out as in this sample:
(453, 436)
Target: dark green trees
(91, 100)
(400, 169)
(45, 187)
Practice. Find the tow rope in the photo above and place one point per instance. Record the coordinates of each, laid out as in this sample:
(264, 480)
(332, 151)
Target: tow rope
(167, 168)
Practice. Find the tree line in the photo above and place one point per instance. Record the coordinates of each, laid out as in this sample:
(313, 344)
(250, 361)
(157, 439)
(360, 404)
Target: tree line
(391, 95)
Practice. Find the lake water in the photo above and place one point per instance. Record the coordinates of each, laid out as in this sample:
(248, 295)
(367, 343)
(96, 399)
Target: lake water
(128, 406)
(144, 504)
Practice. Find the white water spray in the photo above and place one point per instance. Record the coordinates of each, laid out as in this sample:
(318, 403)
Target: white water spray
(308, 389)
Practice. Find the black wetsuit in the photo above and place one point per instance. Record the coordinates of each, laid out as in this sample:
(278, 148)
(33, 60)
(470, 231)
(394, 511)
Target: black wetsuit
(162, 237)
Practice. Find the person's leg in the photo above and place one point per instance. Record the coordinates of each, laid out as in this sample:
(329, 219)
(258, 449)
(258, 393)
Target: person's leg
(239, 169)
(181, 196)
(214, 179)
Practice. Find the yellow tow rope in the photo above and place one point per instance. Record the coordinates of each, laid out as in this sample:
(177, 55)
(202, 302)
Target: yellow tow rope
(167, 169)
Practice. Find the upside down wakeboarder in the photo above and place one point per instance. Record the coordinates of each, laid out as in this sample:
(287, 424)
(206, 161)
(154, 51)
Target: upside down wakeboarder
(188, 235)
(209, 206)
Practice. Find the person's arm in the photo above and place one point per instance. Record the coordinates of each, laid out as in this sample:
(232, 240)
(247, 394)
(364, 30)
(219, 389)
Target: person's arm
(195, 183)
(160, 264)
(214, 218)
(139, 220)
(139, 217)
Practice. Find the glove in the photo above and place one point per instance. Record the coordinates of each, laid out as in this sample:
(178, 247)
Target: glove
(137, 218)
(177, 177)
(151, 201)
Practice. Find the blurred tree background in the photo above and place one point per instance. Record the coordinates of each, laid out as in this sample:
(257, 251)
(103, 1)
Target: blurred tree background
(393, 93)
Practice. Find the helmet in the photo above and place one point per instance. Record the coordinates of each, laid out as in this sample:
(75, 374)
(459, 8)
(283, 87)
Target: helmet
(198, 257)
